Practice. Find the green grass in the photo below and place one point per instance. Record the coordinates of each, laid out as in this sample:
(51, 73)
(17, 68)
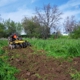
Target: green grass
(75, 75)
(58, 47)
(6, 71)
(53, 47)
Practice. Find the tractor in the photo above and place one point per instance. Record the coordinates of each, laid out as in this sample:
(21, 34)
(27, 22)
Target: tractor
(17, 42)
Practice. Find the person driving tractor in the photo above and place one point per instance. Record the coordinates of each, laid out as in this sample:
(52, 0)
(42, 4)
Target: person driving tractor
(14, 37)
(15, 42)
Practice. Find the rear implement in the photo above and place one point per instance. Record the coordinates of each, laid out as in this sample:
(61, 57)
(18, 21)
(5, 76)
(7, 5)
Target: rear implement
(18, 44)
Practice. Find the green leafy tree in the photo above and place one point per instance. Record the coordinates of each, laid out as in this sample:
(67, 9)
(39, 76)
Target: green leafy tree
(31, 27)
(19, 28)
(2, 29)
(12, 27)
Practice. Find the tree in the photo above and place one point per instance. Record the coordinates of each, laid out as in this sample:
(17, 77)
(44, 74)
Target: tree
(0, 18)
(19, 28)
(48, 17)
(69, 24)
(76, 31)
(12, 27)
(2, 30)
(31, 27)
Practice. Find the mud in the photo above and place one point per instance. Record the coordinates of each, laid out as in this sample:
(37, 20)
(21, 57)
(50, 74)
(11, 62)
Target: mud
(35, 65)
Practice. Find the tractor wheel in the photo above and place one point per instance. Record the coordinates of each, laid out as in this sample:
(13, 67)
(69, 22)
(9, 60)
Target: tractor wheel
(24, 45)
(21, 45)
(27, 43)
(11, 46)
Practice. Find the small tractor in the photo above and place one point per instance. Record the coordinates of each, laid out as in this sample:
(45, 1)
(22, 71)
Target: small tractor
(17, 43)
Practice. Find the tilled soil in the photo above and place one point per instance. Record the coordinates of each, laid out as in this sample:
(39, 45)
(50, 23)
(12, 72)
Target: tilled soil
(35, 65)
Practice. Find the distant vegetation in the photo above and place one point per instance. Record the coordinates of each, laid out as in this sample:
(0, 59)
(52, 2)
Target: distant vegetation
(40, 25)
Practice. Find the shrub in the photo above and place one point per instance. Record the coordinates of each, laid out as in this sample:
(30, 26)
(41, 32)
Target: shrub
(76, 33)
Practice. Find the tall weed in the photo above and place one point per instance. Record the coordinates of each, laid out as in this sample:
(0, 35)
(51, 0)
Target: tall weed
(58, 47)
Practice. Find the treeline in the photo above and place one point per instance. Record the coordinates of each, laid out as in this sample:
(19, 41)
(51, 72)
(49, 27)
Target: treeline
(40, 25)
(8, 27)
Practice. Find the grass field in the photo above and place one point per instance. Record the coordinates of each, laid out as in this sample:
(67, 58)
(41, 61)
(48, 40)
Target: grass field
(58, 47)
(63, 48)
(6, 71)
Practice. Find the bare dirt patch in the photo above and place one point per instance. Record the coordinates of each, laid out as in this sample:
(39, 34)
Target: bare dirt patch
(40, 67)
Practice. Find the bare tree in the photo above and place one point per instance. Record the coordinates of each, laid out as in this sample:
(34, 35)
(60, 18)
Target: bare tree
(69, 24)
(0, 18)
(49, 16)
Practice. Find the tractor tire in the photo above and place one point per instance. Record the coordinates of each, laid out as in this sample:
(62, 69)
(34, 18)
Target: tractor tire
(24, 45)
(27, 43)
(21, 45)
(11, 46)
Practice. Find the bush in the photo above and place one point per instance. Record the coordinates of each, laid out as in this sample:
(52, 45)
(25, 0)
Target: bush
(56, 35)
(76, 33)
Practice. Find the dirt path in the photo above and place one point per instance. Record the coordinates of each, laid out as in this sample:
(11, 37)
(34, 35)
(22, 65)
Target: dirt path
(40, 67)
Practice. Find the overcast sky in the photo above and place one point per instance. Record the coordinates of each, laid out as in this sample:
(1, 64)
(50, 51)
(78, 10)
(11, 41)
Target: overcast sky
(17, 9)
